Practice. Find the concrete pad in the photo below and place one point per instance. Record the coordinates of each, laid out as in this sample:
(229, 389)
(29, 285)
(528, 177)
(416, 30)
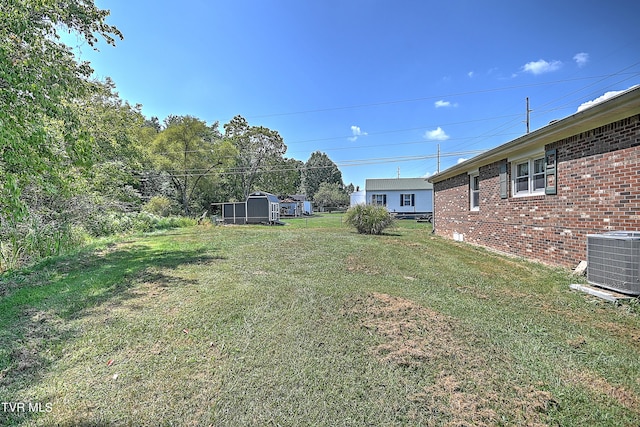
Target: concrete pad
(605, 294)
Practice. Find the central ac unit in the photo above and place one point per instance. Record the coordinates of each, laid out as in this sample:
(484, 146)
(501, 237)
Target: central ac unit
(613, 261)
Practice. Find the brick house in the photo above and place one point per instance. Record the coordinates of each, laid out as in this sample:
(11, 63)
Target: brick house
(540, 195)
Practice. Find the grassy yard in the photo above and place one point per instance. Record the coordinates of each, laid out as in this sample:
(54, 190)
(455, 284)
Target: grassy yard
(310, 324)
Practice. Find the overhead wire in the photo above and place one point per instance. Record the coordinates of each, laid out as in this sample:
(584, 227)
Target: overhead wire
(420, 99)
(514, 122)
(496, 131)
(181, 173)
(490, 133)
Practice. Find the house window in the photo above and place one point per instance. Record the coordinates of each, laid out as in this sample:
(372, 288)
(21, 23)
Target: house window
(529, 177)
(474, 192)
(538, 175)
(379, 199)
(407, 200)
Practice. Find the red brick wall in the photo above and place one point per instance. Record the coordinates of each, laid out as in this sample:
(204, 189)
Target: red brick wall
(598, 191)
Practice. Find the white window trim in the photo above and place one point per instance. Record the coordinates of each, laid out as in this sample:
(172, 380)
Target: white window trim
(382, 195)
(529, 158)
(472, 175)
(412, 196)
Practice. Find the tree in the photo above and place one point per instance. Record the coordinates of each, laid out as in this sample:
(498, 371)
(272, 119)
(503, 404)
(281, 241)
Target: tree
(257, 148)
(349, 188)
(112, 132)
(38, 73)
(282, 176)
(331, 195)
(189, 152)
(78, 195)
(318, 169)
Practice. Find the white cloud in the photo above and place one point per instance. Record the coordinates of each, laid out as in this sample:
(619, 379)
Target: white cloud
(600, 99)
(581, 59)
(428, 174)
(541, 66)
(471, 74)
(442, 103)
(436, 135)
(356, 131)
(460, 160)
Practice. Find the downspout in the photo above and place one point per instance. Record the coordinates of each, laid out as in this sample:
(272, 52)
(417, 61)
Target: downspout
(433, 214)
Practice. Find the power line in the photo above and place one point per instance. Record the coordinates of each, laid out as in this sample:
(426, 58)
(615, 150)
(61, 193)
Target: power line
(485, 119)
(476, 139)
(514, 122)
(346, 163)
(387, 132)
(428, 98)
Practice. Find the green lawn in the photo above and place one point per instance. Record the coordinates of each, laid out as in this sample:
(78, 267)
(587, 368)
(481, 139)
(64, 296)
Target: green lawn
(310, 324)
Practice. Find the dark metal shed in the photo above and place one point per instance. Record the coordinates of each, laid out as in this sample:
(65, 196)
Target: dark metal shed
(234, 213)
(260, 208)
(263, 208)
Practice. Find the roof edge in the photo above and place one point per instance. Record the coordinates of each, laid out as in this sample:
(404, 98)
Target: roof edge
(618, 107)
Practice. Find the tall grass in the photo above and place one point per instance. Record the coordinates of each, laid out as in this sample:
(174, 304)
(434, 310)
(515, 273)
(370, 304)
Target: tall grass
(27, 242)
(32, 240)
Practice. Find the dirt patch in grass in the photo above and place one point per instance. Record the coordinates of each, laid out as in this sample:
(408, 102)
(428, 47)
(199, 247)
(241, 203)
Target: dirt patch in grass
(356, 264)
(465, 389)
(412, 333)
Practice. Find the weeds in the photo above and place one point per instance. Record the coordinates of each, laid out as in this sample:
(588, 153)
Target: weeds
(27, 242)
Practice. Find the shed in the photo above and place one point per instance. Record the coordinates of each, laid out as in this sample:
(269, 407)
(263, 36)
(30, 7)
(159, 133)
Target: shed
(234, 213)
(289, 207)
(295, 205)
(259, 208)
(263, 208)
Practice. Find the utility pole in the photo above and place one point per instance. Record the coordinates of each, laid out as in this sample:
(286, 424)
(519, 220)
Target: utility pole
(528, 111)
(398, 172)
(438, 158)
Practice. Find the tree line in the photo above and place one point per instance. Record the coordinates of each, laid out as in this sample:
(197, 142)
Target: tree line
(78, 161)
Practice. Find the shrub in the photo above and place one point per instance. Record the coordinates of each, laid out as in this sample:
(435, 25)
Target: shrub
(161, 206)
(145, 221)
(369, 219)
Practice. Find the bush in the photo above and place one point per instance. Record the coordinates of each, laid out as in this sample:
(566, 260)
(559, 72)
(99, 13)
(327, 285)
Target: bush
(369, 219)
(161, 206)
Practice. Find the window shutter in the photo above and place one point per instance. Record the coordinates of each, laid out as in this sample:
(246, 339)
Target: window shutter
(413, 200)
(402, 200)
(550, 172)
(504, 181)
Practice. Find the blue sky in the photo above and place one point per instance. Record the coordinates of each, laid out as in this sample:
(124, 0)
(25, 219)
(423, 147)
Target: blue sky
(376, 85)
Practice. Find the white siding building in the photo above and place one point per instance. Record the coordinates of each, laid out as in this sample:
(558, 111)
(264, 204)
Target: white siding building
(404, 196)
